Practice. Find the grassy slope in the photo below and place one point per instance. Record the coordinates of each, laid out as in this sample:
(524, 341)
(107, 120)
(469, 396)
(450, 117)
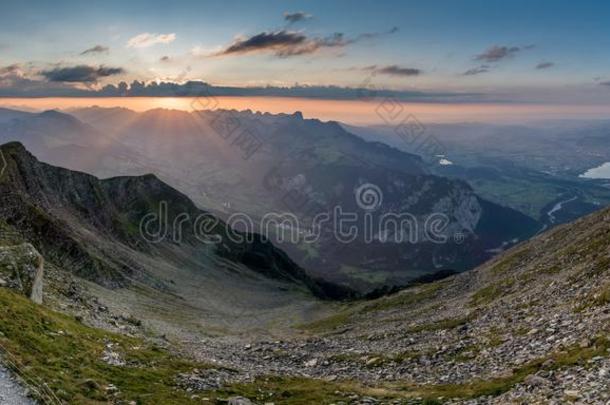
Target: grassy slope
(53, 350)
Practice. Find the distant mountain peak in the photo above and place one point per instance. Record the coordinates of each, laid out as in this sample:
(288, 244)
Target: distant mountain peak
(59, 116)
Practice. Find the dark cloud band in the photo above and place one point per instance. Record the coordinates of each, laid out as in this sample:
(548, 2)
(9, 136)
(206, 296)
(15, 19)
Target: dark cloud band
(497, 53)
(296, 17)
(286, 43)
(80, 74)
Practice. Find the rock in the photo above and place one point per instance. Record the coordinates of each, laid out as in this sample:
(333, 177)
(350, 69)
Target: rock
(311, 363)
(549, 363)
(572, 393)
(239, 401)
(22, 268)
(373, 361)
(535, 381)
(505, 374)
(90, 384)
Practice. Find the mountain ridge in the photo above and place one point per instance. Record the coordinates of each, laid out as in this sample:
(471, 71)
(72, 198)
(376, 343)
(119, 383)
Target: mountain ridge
(41, 198)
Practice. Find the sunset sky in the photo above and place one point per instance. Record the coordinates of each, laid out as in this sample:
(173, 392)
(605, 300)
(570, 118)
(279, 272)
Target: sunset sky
(517, 51)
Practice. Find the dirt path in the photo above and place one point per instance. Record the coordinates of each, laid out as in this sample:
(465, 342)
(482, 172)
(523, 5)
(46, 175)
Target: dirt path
(10, 391)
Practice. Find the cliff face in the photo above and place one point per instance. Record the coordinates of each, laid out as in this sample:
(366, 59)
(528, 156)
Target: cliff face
(92, 226)
(22, 269)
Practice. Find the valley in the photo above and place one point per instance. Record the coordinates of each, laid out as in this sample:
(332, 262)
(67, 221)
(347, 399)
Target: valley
(529, 325)
(304, 202)
(529, 167)
(240, 162)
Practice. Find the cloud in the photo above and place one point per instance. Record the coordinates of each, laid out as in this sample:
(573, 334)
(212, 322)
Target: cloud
(285, 43)
(392, 70)
(395, 70)
(607, 83)
(278, 42)
(296, 17)
(24, 87)
(369, 35)
(13, 69)
(147, 39)
(80, 74)
(497, 53)
(477, 70)
(544, 65)
(95, 49)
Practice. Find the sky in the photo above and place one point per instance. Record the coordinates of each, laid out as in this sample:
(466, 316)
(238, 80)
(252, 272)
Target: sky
(517, 51)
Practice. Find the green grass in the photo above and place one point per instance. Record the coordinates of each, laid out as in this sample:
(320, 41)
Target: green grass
(448, 323)
(329, 323)
(405, 298)
(554, 269)
(467, 353)
(598, 298)
(511, 261)
(380, 359)
(293, 391)
(297, 391)
(602, 297)
(487, 295)
(54, 350)
(496, 386)
(494, 339)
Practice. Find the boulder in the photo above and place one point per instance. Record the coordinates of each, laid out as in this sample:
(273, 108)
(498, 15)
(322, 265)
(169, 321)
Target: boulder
(22, 269)
(239, 401)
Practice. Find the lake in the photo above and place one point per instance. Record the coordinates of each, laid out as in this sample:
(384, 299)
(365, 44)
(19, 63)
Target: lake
(599, 172)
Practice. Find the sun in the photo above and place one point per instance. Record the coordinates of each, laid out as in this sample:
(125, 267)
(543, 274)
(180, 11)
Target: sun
(173, 103)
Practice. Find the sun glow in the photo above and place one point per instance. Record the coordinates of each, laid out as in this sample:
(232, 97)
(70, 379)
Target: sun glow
(349, 111)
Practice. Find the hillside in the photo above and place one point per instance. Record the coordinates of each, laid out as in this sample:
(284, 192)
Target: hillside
(90, 229)
(530, 167)
(530, 326)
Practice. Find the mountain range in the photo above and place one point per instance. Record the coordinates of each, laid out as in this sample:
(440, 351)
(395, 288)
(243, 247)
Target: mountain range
(231, 162)
(92, 229)
(125, 318)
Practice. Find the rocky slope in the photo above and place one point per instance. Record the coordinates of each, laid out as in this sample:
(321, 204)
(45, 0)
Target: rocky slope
(531, 326)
